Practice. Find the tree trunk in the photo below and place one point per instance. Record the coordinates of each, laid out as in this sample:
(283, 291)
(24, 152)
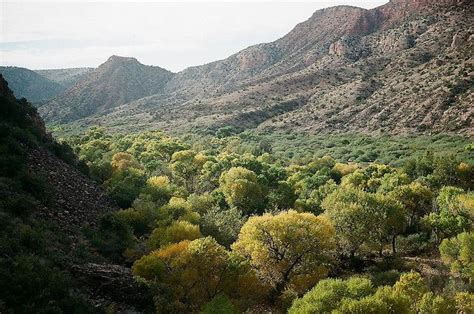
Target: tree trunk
(275, 294)
(394, 246)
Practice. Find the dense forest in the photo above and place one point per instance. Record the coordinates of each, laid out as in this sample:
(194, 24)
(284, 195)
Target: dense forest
(216, 230)
(222, 226)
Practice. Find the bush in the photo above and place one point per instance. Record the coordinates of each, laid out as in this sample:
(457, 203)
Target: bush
(112, 237)
(220, 304)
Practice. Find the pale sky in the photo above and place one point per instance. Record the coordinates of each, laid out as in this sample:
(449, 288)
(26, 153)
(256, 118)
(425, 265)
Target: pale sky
(173, 35)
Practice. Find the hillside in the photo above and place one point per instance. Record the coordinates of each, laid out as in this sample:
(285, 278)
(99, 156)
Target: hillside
(47, 205)
(404, 67)
(117, 81)
(29, 84)
(65, 77)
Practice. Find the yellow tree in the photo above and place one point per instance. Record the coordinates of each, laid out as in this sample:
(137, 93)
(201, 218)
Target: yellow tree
(290, 251)
(176, 232)
(242, 190)
(189, 274)
(186, 165)
(123, 161)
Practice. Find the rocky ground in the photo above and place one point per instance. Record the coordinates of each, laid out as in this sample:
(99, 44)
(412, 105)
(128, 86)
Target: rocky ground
(76, 201)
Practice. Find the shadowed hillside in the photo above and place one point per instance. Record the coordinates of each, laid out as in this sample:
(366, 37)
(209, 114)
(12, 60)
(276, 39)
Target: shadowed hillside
(29, 84)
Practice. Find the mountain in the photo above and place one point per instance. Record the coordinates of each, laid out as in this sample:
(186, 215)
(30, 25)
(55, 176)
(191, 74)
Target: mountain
(29, 84)
(64, 77)
(404, 67)
(117, 81)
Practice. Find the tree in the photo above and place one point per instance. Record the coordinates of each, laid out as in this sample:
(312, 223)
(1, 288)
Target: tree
(411, 285)
(385, 300)
(391, 181)
(417, 200)
(141, 216)
(437, 304)
(222, 225)
(282, 197)
(125, 185)
(289, 251)
(242, 190)
(112, 237)
(201, 204)
(192, 272)
(328, 294)
(464, 302)
(458, 253)
(371, 178)
(186, 165)
(220, 304)
(123, 161)
(454, 215)
(159, 189)
(357, 295)
(394, 219)
(176, 209)
(176, 232)
(360, 217)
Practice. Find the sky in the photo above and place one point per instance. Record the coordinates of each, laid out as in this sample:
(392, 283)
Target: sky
(173, 35)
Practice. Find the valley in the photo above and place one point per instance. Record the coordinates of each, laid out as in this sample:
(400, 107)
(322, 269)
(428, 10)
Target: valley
(328, 171)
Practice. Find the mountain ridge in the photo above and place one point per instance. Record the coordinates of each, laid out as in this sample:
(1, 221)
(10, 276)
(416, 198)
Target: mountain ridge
(326, 51)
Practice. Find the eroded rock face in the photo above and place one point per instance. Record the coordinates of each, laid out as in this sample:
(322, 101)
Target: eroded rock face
(347, 47)
(254, 58)
(396, 42)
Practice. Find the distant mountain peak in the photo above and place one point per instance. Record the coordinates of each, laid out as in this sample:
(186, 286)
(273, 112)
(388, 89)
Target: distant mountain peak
(115, 82)
(120, 59)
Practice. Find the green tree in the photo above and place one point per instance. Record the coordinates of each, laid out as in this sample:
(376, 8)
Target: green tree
(125, 185)
(123, 161)
(417, 200)
(242, 190)
(159, 189)
(436, 304)
(453, 215)
(328, 294)
(458, 253)
(360, 217)
(186, 165)
(222, 225)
